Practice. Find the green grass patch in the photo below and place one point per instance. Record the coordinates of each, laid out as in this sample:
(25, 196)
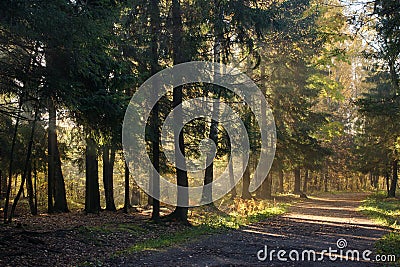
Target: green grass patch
(385, 211)
(389, 244)
(169, 239)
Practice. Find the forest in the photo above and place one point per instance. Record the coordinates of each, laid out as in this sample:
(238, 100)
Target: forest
(329, 71)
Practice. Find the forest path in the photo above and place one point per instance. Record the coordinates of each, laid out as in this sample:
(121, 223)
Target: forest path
(313, 224)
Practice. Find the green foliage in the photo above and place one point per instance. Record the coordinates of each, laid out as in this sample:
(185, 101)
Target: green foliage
(389, 244)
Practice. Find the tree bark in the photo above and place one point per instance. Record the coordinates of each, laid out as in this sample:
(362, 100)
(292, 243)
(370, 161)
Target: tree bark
(326, 182)
(246, 181)
(127, 204)
(56, 185)
(387, 177)
(108, 171)
(297, 181)
(35, 183)
(60, 196)
(29, 188)
(305, 183)
(268, 186)
(92, 197)
(27, 169)
(213, 135)
(232, 179)
(2, 186)
(281, 180)
(10, 170)
(393, 185)
(180, 212)
(154, 68)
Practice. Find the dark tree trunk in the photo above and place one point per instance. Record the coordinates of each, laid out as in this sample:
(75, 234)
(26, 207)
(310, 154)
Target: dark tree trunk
(297, 181)
(268, 186)
(326, 182)
(393, 185)
(209, 172)
(232, 179)
(281, 180)
(27, 169)
(29, 188)
(127, 204)
(305, 183)
(10, 170)
(35, 183)
(213, 135)
(180, 213)
(2, 186)
(246, 181)
(387, 177)
(50, 156)
(92, 197)
(108, 173)
(246, 175)
(155, 32)
(60, 196)
(56, 186)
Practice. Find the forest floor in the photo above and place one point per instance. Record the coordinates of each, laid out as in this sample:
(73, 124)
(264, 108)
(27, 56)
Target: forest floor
(106, 240)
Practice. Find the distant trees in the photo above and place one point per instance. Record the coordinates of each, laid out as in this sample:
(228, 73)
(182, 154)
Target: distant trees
(379, 142)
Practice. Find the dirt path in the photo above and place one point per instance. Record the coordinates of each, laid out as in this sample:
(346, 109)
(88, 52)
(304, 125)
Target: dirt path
(314, 224)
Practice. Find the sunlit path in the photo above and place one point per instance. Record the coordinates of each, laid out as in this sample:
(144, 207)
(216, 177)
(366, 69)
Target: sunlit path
(314, 224)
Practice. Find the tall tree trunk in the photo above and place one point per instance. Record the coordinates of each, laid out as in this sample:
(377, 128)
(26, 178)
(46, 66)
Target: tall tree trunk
(180, 212)
(50, 155)
(127, 204)
(305, 183)
(29, 188)
(60, 196)
(268, 186)
(246, 181)
(3, 185)
(246, 175)
(35, 182)
(326, 182)
(10, 170)
(297, 181)
(281, 180)
(387, 177)
(27, 168)
(154, 65)
(92, 197)
(56, 185)
(213, 135)
(393, 185)
(232, 178)
(108, 173)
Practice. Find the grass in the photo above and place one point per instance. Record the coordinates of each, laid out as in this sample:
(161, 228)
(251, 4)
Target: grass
(385, 211)
(167, 240)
